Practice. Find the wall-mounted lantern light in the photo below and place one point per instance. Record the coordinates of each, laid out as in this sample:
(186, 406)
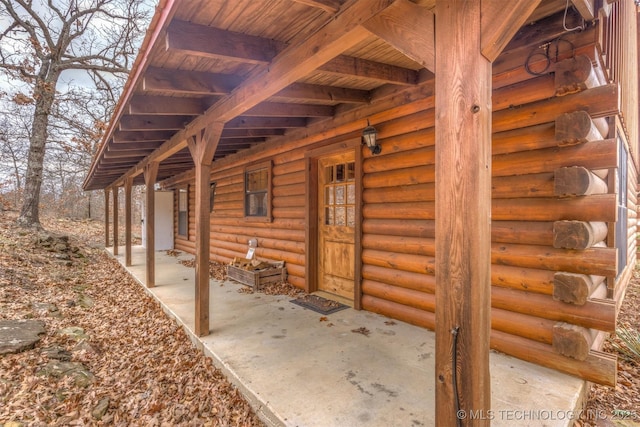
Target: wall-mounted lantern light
(370, 138)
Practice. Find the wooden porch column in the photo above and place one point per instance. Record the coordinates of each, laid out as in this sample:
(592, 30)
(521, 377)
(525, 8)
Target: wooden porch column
(127, 221)
(202, 147)
(463, 216)
(150, 175)
(106, 217)
(115, 220)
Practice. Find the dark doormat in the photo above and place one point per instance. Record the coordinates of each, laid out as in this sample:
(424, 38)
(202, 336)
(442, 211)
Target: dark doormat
(319, 304)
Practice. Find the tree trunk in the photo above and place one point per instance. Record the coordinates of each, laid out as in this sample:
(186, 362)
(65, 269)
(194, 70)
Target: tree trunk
(44, 94)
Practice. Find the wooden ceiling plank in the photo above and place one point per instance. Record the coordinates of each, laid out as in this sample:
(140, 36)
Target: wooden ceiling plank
(357, 67)
(330, 6)
(122, 146)
(340, 33)
(197, 40)
(243, 122)
(500, 24)
(251, 133)
(126, 154)
(410, 29)
(274, 109)
(154, 122)
(135, 136)
(165, 105)
(253, 49)
(308, 92)
(183, 81)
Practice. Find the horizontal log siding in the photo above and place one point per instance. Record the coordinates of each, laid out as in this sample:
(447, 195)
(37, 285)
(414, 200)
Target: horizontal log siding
(281, 239)
(398, 213)
(398, 229)
(187, 244)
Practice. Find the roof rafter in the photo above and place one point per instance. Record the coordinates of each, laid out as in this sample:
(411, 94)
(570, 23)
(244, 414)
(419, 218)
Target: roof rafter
(340, 32)
(194, 39)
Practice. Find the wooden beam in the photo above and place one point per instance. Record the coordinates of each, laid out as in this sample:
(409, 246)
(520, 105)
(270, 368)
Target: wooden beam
(125, 154)
(463, 231)
(192, 82)
(106, 217)
(115, 220)
(317, 93)
(165, 105)
(251, 133)
(409, 28)
(500, 23)
(127, 221)
(339, 34)
(141, 136)
(127, 146)
(196, 40)
(274, 109)
(244, 122)
(357, 67)
(586, 8)
(154, 122)
(202, 146)
(150, 175)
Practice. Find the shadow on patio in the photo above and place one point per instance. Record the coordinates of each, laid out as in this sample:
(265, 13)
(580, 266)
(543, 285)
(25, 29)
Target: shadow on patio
(297, 370)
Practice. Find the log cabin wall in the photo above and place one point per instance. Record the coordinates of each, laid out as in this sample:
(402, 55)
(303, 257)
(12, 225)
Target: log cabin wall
(554, 211)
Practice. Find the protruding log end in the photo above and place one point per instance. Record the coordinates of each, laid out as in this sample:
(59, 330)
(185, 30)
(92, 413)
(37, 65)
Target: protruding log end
(577, 181)
(576, 128)
(578, 234)
(574, 75)
(572, 341)
(574, 288)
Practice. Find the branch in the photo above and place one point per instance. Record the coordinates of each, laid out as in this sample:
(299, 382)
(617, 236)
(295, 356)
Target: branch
(30, 28)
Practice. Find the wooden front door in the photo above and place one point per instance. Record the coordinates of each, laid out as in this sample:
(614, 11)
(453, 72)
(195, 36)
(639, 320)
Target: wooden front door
(336, 224)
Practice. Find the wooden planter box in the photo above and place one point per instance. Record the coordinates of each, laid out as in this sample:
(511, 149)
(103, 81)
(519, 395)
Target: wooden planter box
(257, 278)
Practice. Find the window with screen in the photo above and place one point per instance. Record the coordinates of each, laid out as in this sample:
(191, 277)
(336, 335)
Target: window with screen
(183, 212)
(257, 185)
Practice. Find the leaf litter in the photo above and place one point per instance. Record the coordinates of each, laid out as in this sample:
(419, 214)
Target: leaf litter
(146, 370)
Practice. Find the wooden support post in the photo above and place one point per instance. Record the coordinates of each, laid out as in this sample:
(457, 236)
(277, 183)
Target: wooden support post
(463, 208)
(127, 221)
(202, 147)
(150, 175)
(115, 220)
(106, 217)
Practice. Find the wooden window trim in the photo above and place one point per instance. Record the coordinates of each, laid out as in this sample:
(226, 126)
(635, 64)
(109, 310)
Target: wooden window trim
(268, 165)
(179, 190)
(212, 194)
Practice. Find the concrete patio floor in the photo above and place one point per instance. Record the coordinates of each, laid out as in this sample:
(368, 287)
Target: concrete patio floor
(297, 370)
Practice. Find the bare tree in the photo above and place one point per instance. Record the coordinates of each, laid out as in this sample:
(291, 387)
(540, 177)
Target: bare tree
(14, 132)
(40, 40)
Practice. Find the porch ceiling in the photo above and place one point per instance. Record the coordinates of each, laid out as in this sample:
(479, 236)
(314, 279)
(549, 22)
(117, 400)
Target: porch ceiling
(204, 60)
